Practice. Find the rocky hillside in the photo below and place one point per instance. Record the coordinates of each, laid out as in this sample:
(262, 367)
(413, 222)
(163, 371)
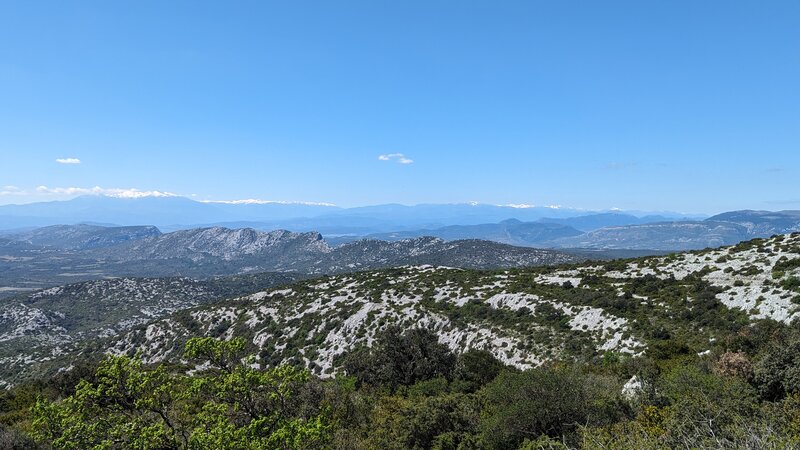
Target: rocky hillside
(44, 324)
(309, 253)
(525, 317)
(222, 243)
(470, 254)
(217, 251)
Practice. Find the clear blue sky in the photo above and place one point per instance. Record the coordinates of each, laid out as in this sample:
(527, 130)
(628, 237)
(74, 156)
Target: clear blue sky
(690, 106)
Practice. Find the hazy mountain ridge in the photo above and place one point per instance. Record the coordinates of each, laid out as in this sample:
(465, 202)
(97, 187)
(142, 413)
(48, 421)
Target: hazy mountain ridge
(510, 231)
(724, 229)
(171, 213)
(612, 219)
(83, 236)
(676, 236)
(158, 211)
(762, 222)
(635, 233)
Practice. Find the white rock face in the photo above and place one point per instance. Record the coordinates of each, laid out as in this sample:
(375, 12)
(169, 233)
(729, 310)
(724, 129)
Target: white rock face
(633, 388)
(345, 311)
(19, 320)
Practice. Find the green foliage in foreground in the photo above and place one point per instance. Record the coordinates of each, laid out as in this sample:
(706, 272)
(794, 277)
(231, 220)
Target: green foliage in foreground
(230, 405)
(409, 391)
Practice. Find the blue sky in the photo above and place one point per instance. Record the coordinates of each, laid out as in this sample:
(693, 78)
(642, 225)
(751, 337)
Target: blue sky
(680, 105)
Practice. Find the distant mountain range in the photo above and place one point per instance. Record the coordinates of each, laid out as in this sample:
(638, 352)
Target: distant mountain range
(629, 233)
(519, 225)
(723, 229)
(158, 211)
(172, 213)
(510, 231)
(612, 219)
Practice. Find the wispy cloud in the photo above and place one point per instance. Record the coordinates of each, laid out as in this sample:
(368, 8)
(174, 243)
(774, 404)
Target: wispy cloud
(61, 192)
(617, 165)
(45, 191)
(68, 160)
(97, 190)
(11, 190)
(397, 157)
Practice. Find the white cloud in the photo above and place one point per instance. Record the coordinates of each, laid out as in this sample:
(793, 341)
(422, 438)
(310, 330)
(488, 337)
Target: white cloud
(68, 160)
(60, 192)
(97, 190)
(398, 157)
(131, 193)
(11, 190)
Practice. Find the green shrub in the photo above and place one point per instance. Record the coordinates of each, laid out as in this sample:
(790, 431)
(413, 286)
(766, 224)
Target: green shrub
(401, 358)
(550, 401)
